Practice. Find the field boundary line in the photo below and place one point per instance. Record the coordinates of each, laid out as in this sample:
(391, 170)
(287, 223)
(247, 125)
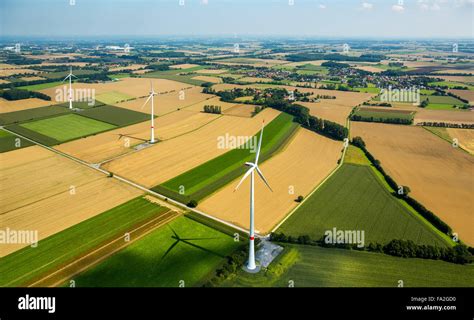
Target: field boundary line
(136, 185)
(442, 138)
(125, 244)
(341, 162)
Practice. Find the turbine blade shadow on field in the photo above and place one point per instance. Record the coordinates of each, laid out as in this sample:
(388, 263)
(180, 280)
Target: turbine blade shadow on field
(121, 135)
(187, 241)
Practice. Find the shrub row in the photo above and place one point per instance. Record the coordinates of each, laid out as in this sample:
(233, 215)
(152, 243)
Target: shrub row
(459, 254)
(427, 214)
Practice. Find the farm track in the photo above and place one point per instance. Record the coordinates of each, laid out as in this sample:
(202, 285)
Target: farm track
(101, 253)
(179, 206)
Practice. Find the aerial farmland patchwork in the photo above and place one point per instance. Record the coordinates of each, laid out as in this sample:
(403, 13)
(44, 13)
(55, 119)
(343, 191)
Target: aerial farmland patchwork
(237, 160)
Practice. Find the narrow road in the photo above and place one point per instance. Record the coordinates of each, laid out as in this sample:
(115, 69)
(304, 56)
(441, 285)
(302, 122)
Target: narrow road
(129, 182)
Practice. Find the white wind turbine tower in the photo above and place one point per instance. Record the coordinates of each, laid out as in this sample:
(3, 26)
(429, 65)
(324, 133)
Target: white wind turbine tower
(253, 167)
(152, 94)
(70, 75)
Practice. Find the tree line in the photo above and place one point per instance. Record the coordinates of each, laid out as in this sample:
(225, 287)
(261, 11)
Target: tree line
(422, 210)
(459, 254)
(212, 109)
(18, 94)
(355, 117)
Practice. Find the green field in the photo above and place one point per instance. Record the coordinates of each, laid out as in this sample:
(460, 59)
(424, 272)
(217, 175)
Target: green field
(25, 265)
(208, 177)
(113, 97)
(312, 266)
(31, 114)
(442, 102)
(67, 127)
(184, 250)
(9, 142)
(355, 198)
(367, 89)
(451, 84)
(41, 86)
(114, 115)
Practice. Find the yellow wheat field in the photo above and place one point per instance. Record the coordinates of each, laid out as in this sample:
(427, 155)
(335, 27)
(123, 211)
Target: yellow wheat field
(295, 171)
(43, 191)
(170, 158)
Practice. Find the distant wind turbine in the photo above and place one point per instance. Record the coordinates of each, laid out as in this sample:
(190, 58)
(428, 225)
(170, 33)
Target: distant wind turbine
(152, 94)
(253, 167)
(70, 75)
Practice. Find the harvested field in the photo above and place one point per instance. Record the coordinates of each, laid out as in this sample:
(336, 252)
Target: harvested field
(166, 103)
(211, 71)
(12, 72)
(456, 71)
(465, 94)
(240, 110)
(254, 79)
(436, 173)
(129, 67)
(305, 162)
(465, 138)
(33, 78)
(251, 61)
(214, 101)
(184, 66)
(208, 79)
(343, 98)
(448, 116)
(104, 146)
(135, 87)
(17, 105)
(463, 79)
(369, 68)
(327, 111)
(43, 191)
(167, 159)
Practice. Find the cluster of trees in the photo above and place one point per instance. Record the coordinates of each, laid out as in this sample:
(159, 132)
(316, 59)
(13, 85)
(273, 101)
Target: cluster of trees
(337, 65)
(233, 264)
(212, 109)
(17, 94)
(460, 253)
(355, 117)
(159, 67)
(447, 125)
(277, 98)
(377, 104)
(325, 96)
(422, 210)
(257, 110)
(21, 60)
(408, 249)
(338, 87)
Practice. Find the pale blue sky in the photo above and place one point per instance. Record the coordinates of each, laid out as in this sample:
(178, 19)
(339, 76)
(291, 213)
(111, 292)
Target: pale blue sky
(330, 18)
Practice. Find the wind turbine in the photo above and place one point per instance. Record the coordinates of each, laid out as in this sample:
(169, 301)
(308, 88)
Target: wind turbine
(253, 167)
(70, 75)
(152, 94)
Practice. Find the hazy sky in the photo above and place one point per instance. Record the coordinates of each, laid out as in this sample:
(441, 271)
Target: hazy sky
(325, 18)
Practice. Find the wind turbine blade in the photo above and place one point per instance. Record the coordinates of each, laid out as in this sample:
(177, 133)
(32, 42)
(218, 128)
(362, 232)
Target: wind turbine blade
(151, 85)
(259, 145)
(66, 77)
(74, 76)
(244, 177)
(149, 97)
(263, 178)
